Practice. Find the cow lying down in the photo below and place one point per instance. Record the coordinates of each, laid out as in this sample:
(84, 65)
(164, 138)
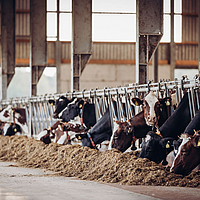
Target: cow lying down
(61, 133)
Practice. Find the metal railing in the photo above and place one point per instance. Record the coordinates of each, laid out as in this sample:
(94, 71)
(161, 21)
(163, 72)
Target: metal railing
(39, 112)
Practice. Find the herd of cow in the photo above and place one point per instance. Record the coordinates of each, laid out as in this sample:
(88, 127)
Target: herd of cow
(171, 138)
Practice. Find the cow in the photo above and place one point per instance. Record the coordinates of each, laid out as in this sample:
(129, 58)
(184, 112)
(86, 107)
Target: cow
(59, 133)
(60, 104)
(156, 148)
(100, 132)
(171, 129)
(153, 115)
(12, 129)
(15, 116)
(83, 112)
(188, 156)
(192, 126)
(77, 111)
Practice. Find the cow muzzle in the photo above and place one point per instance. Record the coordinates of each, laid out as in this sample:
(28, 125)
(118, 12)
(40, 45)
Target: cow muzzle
(55, 116)
(151, 120)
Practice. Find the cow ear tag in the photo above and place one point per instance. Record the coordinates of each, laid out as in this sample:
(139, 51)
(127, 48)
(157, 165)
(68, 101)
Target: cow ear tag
(80, 106)
(51, 104)
(136, 102)
(79, 137)
(198, 144)
(167, 103)
(167, 145)
(15, 130)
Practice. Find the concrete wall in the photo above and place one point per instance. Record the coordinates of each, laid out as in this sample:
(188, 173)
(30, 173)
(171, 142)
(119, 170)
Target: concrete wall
(110, 75)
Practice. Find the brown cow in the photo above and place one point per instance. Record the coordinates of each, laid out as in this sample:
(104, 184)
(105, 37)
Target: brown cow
(154, 114)
(188, 156)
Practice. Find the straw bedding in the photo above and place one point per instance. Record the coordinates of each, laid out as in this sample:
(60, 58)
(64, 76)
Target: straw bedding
(110, 166)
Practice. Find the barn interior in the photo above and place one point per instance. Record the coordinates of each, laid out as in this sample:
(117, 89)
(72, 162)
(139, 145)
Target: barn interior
(126, 59)
(32, 38)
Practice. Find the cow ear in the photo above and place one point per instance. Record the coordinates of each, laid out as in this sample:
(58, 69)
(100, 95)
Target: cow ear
(167, 101)
(166, 144)
(52, 102)
(197, 142)
(136, 101)
(80, 104)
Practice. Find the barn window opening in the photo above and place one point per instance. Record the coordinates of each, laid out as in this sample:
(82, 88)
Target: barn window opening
(112, 21)
(177, 21)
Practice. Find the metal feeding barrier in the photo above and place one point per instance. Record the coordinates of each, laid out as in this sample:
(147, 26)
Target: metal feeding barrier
(39, 112)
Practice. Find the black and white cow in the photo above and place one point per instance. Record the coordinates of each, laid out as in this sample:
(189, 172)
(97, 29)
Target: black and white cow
(153, 114)
(60, 105)
(82, 112)
(14, 116)
(100, 132)
(156, 148)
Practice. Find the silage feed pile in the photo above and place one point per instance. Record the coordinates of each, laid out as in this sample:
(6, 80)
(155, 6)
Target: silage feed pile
(110, 166)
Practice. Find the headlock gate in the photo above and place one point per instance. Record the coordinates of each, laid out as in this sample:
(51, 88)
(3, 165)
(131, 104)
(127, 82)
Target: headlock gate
(39, 112)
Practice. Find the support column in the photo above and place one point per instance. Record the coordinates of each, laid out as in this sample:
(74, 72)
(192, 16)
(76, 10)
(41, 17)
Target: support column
(58, 51)
(81, 45)
(155, 66)
(172, 44)
(7, 44)
(38, 45)
(199, 35)
(149, 30)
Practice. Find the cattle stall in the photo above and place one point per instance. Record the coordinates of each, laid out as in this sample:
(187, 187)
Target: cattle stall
(39, 112)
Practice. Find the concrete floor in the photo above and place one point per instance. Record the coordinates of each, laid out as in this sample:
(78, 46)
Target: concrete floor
(18, 183)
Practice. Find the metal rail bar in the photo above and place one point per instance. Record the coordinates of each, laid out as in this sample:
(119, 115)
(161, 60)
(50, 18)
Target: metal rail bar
(40, 113)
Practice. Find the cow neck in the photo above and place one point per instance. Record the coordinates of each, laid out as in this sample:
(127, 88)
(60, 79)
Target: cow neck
(91, 140)
(61, 128)
(138, 120)
(133, 136)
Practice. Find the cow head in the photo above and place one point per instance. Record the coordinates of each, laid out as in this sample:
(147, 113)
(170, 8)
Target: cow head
(188, 156)
(156, 148)
(152, 107)
(123, 136)
(60, 104)
(72, 111)
(46, 137)
(91, 140)
(11, 129)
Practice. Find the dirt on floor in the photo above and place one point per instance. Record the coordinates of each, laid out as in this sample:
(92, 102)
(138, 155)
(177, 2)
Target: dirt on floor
(110, 166)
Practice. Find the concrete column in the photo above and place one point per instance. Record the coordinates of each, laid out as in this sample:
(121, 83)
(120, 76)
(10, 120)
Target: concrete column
(81, 45)
(149, 31)
(58, 51)
(38, 45)
(199, 33)
(7, 44)
(172, 44)
(155, 66)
